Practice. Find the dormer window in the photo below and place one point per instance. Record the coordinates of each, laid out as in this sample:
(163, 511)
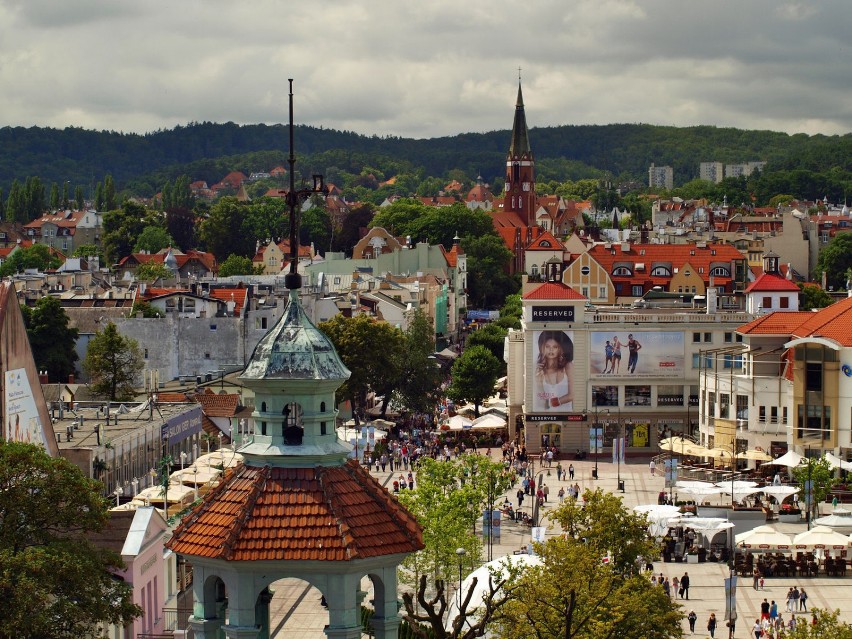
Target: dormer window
(544, 244)
(661, 271)
(622, 271)
(720, 271)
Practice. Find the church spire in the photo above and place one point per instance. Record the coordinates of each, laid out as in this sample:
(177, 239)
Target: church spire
(520, 145)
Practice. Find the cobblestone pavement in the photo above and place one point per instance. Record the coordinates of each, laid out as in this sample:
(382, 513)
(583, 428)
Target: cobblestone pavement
(296, 611)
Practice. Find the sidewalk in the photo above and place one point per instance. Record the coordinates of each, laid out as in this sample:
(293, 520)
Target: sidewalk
(295, 608)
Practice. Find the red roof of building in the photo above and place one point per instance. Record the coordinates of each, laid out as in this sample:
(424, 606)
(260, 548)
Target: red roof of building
(336, 513)
(237, 294)
(771, 283)
(553, 291)
(215, 405)
(545, 242)
(778, 323)
(832, 322)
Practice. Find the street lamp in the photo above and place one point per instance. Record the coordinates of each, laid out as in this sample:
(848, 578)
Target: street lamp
(460, 553)
(135, 483)
(183, 457)
(118, 492)
(597, 438)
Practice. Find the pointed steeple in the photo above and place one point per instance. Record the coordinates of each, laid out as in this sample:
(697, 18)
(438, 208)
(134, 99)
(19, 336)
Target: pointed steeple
(520, 145)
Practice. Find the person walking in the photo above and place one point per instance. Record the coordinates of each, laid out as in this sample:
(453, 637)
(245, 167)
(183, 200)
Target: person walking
(691, 618)
(764, 609)
(711, 625)
(667, 587)
(520, 495)
(684, 584)
(546, 490)
(794, 603)
(803, 600)
(790, 600)
(676, 588)
(757, 629)
(653, 467)
(755, 579)
(571, 472)
(559, 470)
(561, 494)
(773, 613)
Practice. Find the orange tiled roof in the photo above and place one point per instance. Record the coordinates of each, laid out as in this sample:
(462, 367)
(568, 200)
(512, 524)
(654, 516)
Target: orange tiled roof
(832, 322)
(237, 295)
(215, 405)
(553, 291)
(770, 282)
(548, 238)
(172, 398)
(336, 513)
(779, 323)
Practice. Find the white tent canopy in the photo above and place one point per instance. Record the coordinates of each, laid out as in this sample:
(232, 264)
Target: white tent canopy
(820, 537)
(836, 462)
(222, 457)
(702, 524)
(839, 518)
(483, 575)
(459, 422)
(488, 422)
(763, 537)
(176, 493)
(780, 492)
(790, 458)
(193, 475)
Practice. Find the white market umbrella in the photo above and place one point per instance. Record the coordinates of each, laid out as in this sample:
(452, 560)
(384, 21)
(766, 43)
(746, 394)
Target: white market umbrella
(738, 484)
(836, 462)
(821, 537)
(657, 515)
(459, 422)
(488, 422)
(701, 491)
(791, 458)
(693, 483)
(195, 475)
(704, 524)
(348, 434)
(225, 457)
(675, 443)
(763, 537)
(839, 518)
(483, 575)
(755, 455)
(780, 492)
(176, 494)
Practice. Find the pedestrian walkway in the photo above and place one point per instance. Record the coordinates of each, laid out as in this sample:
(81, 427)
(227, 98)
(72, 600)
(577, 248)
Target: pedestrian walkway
(296, 610)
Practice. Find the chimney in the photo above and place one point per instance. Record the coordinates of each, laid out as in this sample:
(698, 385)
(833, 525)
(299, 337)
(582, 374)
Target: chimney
(42, 377)
(71, 378)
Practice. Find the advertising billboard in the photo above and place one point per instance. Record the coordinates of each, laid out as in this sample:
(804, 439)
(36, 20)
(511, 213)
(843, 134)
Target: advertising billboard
(637, 354)
(553, 361)
(23, 423)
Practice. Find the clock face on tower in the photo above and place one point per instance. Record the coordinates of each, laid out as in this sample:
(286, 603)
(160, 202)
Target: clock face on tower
(508, 186)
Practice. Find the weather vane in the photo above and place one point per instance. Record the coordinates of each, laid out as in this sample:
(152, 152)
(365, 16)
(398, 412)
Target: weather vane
(294, 199)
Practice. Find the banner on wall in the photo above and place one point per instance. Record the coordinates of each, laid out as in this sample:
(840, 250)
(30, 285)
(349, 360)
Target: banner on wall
(553, 380)
(637, 354)
(21, 415)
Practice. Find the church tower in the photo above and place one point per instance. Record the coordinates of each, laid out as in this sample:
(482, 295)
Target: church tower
(519, 195)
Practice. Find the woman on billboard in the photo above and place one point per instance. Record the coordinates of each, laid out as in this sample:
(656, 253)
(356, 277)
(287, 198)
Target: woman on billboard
(553, 372)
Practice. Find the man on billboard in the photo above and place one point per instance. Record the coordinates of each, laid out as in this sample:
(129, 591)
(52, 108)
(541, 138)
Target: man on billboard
(633, 347)
(554, 372)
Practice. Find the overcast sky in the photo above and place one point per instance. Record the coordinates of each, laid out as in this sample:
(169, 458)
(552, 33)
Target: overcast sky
(426, 68)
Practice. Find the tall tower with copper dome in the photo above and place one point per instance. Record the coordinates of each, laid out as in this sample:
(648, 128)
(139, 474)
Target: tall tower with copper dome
(519, 192)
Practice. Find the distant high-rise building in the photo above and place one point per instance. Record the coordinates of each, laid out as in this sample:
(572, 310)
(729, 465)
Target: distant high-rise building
(746, 169)
(661, 176)
(711, 172)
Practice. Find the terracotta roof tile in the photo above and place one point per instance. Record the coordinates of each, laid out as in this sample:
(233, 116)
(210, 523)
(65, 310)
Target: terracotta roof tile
(779, 323)
(215, 405)
(832, 322)
(771, 282)
(553, 291)
(322, 513)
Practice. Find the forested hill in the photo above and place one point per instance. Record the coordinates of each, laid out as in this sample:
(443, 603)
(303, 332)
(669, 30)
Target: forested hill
(207, 151)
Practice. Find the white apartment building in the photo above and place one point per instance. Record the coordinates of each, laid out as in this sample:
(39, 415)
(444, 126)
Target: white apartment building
(746, 169)
(661, 176)
(711, 172)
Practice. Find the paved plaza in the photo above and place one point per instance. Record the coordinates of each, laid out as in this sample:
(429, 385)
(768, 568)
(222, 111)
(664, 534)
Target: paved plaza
(296, 611)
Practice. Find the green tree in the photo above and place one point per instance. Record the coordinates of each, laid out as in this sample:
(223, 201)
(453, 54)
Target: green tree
(153, 239)
(148, 311)
(15, 205)
(113, 362)
(121, 230)
(812, 297)
(228, 229)
(821, 474)
(349, 232)
(51, 339)
(828, 626)
(79, 199)
(54, 582)
(109, 193)
(473, 376)
(420, 376)
(488, 260)
(239, 265)
(835, 260)
(370, 350)
(54, 196)
(88, 250)
(37, 256)
(492, 337)
(151, 271)
(315, 227)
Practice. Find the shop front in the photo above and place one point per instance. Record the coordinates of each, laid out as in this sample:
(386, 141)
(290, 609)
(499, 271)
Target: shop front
(567, 433)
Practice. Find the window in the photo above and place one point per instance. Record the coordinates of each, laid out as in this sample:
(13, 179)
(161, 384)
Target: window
(711, 404)
(604, 395)
(813, 376)
(783, 414)
(720, 271)
(767, 302)
(696, 338)
(761, 414)
(212, 327)
(773, 414)
(729, 337)
(602, 292)
(585, 291)
(146, 353)
(742, 407)
(534, 270)
(725, 406)
(622, 271)
(784, 302)
(206, 355)
(263, 322)
(669, 395)
(661, 271)
(551, 435)
(337, 280)
(322, 428)
(636, 290)
(637, 395)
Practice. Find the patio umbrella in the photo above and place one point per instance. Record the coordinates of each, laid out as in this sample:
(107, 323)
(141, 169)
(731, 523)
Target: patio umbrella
(780, 492)
(836, 462)
(821, 537)
(763, 537)
(839, 518)
(755, 455)
(737, 485)
(222, 457)
(675, 443)
(790, 458)
(488, 422)
(176, 493)
(693, 483)
(701, 491)
(483, 574)
(195, 475)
